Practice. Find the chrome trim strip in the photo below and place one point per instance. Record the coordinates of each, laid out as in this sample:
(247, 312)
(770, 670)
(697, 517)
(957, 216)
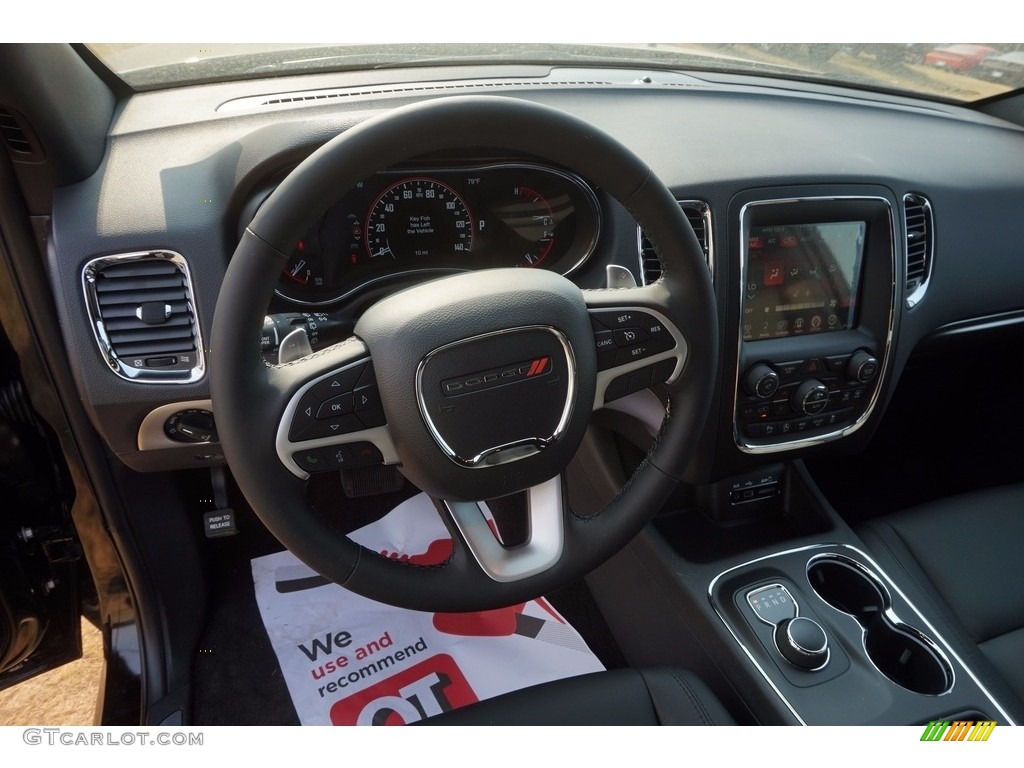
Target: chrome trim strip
(379, 436)
(937, 637)
(926, 205)
(806, 442)
(705, 212)
(520, 449)
(585, 190)
(978, 324)
(151, 430)
(128, 372)
(539, 553)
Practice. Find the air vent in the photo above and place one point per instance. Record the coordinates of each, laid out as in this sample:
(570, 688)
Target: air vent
(917, 213)
(698, 213)
(143, 314)
(17, 137)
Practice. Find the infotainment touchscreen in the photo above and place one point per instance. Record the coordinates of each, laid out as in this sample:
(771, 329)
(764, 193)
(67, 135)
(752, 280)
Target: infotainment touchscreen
(802, 279)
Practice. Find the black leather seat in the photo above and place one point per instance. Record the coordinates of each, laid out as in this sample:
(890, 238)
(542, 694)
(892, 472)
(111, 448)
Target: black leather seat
(966, 555)
(654, 696)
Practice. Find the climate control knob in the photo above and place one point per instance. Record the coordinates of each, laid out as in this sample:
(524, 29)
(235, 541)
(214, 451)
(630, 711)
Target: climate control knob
(761, 381)
(810, 398)
(862, 366)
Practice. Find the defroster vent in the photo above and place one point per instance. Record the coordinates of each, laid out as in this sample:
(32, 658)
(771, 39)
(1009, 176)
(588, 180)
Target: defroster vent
(144, 317)
(917, 213)
(698, 213)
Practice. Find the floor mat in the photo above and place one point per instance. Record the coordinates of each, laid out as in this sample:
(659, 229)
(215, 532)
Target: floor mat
(348, 660)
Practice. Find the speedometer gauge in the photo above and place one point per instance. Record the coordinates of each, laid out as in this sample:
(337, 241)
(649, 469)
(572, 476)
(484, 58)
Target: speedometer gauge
(418, 218)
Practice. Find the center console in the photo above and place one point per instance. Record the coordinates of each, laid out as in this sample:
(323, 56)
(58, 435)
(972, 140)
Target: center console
(825, 626)
(816, 318)
(749, 576)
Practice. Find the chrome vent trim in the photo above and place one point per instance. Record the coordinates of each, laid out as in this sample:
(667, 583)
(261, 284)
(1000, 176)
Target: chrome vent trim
(698, 213)
(330, 95)
(919, 227)
(118, 290)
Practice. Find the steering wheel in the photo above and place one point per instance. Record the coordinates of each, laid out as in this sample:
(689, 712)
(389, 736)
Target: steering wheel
(478, 385)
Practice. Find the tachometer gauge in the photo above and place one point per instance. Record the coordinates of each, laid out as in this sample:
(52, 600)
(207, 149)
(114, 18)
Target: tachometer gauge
(418, 218)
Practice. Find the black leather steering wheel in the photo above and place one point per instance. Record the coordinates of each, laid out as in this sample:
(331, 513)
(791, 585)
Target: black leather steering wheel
(486, 380)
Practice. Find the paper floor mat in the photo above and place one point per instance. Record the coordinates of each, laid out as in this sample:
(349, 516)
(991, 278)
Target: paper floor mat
(348, 660)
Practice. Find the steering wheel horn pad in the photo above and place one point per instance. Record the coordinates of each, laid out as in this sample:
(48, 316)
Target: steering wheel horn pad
(457, 330)
(470, 429)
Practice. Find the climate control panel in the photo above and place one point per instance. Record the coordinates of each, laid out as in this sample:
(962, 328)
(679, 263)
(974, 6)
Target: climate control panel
(785, 399)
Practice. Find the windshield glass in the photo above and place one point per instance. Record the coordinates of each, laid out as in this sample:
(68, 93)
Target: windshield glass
(961, 72)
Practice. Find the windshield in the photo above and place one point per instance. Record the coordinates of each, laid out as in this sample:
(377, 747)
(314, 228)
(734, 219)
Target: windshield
(961, 72)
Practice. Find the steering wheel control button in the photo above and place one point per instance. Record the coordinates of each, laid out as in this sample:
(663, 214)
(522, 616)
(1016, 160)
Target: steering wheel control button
(631, 336)
(311, 460)
(802, 642)
(365, 453)
(336, 406)
(328, 407)
(616, 319)
(604, 341)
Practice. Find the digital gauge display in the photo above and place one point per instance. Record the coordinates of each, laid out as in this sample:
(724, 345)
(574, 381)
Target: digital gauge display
(412, 224)
(802, 279)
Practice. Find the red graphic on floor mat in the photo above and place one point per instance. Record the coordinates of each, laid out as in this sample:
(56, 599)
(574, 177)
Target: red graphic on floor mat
(429, 688)
(500, 622)
(438, 551)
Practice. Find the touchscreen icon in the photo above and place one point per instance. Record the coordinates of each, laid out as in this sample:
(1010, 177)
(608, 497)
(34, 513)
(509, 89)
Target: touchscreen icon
(773, 273)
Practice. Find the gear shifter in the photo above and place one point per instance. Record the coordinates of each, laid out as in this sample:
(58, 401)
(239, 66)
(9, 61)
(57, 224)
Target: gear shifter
(801, 641)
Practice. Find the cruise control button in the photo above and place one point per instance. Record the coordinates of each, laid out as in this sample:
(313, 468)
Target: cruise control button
(615, 319)
(638, 352)
(629, 337)
(604, 342)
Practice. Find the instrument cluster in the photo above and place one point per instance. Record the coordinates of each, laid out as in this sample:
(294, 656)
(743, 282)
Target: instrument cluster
(437, 220)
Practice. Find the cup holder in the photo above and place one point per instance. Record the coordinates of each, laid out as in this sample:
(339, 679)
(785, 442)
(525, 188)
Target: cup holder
(903, 654)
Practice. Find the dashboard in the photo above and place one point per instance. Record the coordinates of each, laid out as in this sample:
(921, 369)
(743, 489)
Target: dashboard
(839, 228)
